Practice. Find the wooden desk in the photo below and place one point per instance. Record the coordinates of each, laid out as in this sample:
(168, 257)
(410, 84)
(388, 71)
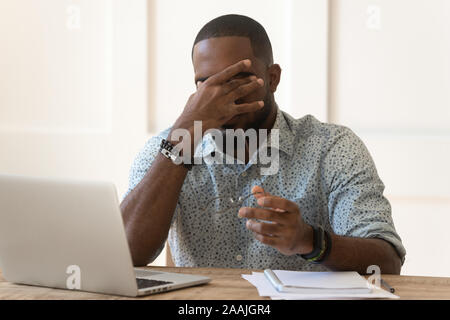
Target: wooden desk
(226, 284)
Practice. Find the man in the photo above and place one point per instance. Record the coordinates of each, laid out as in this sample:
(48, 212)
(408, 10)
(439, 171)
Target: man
(323, 210)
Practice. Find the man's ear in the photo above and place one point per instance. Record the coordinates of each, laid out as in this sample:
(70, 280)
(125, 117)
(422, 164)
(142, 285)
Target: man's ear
(274, 72)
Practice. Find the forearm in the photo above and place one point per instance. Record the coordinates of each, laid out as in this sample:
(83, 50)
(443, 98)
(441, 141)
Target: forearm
(147, 211)
(356, 254)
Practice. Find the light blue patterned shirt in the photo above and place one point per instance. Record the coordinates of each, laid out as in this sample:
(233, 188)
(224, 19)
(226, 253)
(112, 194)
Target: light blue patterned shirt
(324, 168)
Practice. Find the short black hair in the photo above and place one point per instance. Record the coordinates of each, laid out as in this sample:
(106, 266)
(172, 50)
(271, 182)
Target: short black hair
(239, 26)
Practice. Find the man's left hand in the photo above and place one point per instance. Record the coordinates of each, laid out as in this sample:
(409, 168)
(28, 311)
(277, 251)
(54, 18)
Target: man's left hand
(286, 231)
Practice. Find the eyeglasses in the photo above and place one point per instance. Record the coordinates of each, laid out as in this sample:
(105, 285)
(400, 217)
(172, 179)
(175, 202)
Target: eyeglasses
(220, 205)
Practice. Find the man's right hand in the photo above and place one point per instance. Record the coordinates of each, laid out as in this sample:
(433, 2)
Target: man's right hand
(214, 102)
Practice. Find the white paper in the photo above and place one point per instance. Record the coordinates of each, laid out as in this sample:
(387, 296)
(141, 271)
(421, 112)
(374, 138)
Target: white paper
(265, 289)
(330, 280)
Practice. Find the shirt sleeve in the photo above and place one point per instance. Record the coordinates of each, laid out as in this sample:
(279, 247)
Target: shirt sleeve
(356, 204)
(142, 163)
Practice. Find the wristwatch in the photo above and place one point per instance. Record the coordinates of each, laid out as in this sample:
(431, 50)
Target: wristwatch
(321, 246)
(168, 150)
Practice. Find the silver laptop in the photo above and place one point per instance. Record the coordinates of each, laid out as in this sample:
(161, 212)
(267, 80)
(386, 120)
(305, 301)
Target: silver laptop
(70, 235)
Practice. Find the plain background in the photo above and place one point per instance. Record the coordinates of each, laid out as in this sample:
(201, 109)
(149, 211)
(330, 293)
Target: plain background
(84, 84)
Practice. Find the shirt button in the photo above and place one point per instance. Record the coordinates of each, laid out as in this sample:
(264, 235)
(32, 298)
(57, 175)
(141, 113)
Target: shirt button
(239, 257)
(244, 174)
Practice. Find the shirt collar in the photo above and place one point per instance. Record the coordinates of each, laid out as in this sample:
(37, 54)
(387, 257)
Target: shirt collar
(285, 144)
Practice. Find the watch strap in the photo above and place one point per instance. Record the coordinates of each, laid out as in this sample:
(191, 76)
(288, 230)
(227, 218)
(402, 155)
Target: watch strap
(318, 236)
(322, 246)
(166, 148)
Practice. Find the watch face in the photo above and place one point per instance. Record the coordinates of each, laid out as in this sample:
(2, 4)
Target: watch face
(165, 153)
(176, 159)
(172, 155)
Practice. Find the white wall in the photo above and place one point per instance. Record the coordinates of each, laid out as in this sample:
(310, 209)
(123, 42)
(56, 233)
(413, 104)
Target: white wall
(389, 82)
(73, 79)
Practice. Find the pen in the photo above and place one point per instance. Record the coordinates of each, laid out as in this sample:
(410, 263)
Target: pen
(387, 286)
(273, 279)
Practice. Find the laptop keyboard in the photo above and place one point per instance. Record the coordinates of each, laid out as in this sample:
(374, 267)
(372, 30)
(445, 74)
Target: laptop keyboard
(146, 283)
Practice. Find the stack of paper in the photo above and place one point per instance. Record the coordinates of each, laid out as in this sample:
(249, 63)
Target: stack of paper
(298, 285)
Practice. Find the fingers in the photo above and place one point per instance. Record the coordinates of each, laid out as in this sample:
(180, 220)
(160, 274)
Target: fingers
(263, 214)
(236, 83)
(245, 90)
(229, 72)
(265, 239)
(247, 107)
(242, 91)
(278, 203)
(264, 228)
(258, 192)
